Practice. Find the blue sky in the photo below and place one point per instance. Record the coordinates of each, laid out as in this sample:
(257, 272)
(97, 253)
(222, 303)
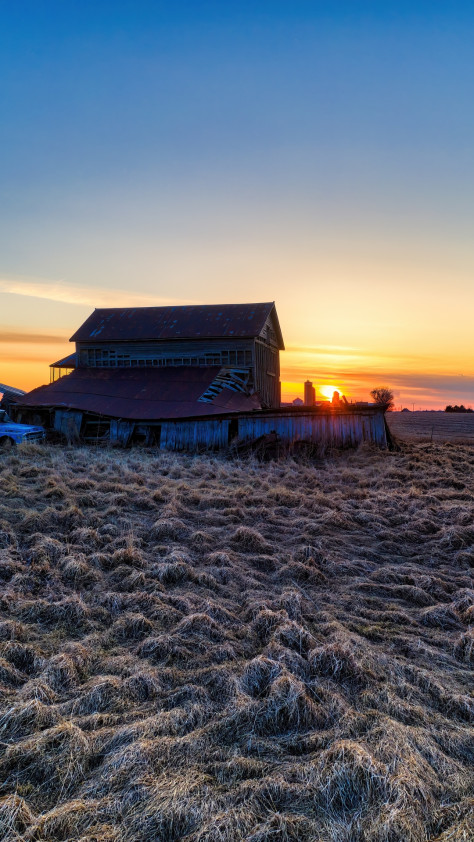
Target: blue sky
(319, 154)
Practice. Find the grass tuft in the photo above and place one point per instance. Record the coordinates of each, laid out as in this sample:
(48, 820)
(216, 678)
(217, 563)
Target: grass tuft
(212, 650)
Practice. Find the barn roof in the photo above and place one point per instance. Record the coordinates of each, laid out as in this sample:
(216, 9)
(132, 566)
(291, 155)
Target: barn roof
(65, 362)
(11, 390)
(146, 394)
(184, 322)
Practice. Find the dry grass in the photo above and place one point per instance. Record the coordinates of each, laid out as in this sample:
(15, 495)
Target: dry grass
(207, 650)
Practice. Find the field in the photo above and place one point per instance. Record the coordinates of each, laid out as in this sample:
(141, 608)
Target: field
(433, 426)
(210, 650)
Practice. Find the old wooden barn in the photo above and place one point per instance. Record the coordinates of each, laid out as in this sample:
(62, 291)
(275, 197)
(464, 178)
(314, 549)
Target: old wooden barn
(185, 377)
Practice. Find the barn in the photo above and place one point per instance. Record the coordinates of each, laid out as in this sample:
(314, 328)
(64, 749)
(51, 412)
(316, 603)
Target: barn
(184, 377)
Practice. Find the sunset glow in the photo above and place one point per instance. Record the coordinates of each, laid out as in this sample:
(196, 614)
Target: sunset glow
(35, 332)
(328, 391)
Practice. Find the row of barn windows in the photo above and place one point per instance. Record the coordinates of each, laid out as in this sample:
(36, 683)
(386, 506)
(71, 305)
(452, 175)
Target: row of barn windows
(101, 358)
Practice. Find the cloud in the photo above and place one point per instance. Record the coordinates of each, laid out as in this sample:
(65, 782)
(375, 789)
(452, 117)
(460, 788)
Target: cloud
(371, 359)
(26, 359)
(442, 386)
(12, 337)
(322, 349)
(83, 295)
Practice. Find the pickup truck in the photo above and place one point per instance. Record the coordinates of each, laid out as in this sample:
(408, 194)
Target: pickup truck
(11, 433)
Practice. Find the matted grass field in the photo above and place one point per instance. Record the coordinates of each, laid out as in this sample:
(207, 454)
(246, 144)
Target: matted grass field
(199, 649)
(433, 426)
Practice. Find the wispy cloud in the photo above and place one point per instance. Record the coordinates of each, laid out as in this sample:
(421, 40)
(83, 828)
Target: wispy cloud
(322, 349)
(11, 337)
(82, 295)
(322, 357)
(29, 360)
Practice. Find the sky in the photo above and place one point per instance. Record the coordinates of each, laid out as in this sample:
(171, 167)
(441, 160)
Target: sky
(318, 154)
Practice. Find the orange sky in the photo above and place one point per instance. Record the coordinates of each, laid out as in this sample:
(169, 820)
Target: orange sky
(345, 345)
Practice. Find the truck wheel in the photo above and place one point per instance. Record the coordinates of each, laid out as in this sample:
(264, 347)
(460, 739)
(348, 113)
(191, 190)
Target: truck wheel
(6, 443)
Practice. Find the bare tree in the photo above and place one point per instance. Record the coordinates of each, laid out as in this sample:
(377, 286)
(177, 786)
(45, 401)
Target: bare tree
(383, 396)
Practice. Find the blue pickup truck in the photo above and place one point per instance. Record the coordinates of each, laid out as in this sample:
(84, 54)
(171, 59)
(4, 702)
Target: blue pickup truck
(11, 433)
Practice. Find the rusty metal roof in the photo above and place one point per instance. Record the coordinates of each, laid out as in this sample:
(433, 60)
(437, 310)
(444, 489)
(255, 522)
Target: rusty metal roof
(146, 394)
(11, 390)
(185, 322)
(66, 362)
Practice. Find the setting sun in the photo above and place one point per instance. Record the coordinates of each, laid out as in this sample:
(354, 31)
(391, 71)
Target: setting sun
(328, 391)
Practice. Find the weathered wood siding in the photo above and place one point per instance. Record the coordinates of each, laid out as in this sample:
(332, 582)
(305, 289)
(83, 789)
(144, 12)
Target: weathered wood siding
(335, 429)
(212, 434)
(228, 351)
(338, 429)
(267, 374)
(121, 431)
(68, 422)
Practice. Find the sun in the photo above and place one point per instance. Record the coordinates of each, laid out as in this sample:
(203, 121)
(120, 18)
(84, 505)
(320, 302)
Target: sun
(328, 391)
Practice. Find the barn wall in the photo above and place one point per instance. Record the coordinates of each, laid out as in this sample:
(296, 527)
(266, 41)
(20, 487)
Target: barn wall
(259, 357)
(328, 429)
(121, 431)
(195, 435)
(345, 429)
(199, 351)
(68, 422)
(267, 374)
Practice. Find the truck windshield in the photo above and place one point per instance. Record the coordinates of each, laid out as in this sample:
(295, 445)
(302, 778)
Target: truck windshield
(3, 417)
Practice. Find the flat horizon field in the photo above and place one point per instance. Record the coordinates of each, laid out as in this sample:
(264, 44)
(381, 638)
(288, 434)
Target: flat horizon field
(203, 649)
(432, 425)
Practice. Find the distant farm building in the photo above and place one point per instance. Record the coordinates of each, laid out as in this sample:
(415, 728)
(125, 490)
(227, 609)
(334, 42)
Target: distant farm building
(309, 394)
(186, 377)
